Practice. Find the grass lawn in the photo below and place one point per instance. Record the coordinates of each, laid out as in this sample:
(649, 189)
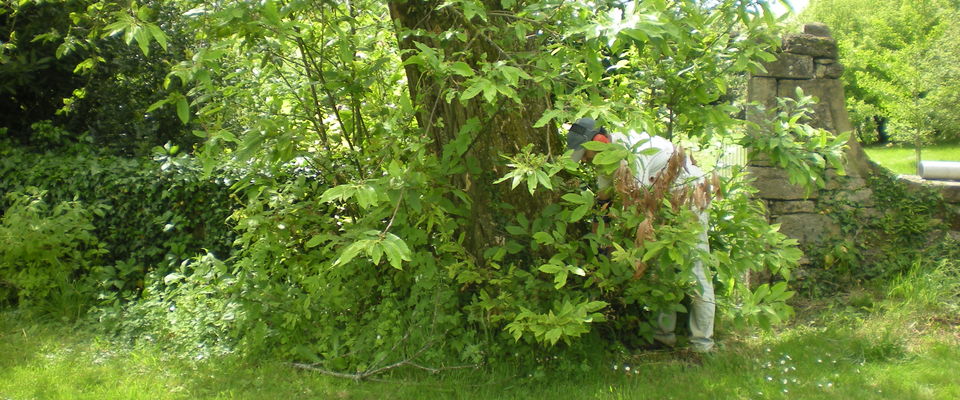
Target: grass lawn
(902, 342)
(902, 159)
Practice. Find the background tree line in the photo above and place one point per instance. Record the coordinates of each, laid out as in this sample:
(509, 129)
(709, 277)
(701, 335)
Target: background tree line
(902, 61)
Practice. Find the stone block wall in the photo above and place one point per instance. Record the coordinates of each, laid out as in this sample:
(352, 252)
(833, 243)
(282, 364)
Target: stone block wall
(809, 61)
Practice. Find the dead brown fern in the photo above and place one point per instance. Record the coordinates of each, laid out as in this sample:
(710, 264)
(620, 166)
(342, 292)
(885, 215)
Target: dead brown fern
(646, 200)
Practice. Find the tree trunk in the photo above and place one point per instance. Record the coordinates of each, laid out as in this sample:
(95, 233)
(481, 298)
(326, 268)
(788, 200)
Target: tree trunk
(505, 127)
(882, 136)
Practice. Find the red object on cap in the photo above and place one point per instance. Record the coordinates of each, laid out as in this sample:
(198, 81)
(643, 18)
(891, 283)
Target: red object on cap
(601, 138)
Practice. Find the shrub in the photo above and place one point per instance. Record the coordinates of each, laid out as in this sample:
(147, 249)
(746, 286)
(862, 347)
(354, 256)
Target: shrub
(153, 212)
(46, 251)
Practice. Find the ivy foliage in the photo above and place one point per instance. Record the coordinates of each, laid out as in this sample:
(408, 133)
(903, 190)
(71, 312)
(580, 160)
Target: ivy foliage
(904, 224)
(150, 213)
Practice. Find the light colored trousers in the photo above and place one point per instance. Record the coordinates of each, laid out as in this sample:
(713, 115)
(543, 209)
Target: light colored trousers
(702, 307)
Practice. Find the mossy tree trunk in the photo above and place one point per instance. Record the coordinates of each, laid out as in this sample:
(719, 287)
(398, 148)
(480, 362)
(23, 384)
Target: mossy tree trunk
(505, 125)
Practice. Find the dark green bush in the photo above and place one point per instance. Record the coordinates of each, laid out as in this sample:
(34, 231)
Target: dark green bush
(44, 248)
(56, 64)
(156, 212)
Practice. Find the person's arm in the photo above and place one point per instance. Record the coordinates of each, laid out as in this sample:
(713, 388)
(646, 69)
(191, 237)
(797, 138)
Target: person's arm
(604, 187)
(604, 194)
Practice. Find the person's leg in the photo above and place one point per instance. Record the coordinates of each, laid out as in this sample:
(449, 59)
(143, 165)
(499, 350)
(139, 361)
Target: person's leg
(666, 324)
(703, 301)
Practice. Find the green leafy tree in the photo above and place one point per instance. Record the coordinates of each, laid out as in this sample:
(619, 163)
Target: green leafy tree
(899, 58)
(72, 62)
(382, 148)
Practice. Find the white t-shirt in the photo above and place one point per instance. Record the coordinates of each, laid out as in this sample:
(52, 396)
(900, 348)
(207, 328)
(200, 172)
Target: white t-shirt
(649, 165)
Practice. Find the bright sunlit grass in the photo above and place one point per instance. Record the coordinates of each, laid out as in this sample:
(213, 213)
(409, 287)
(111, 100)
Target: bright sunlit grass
(902, 344)
(902, 159)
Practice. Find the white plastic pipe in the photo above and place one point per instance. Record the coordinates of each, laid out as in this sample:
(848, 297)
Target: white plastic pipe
(949, 170)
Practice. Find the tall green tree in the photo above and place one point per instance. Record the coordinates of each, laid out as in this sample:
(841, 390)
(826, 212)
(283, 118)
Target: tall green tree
(505, 73)
(93, 68)
(898, 58)
(406, 194)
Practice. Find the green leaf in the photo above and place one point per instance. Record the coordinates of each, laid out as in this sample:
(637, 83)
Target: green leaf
(85, 64)
(515, 230)
(183, 109)
(461, 68)
(157, 105)
(610, 157)
(550, 268)
(547, 117)
(543, 238)
(472, 8)
(366, 196)
(63, 49)
(595, 306)
(316, 240)
(553, 335)
(143, 13)
(573, 198)
(158, 35)
(560, 279)
(544, 179)
(376, 252)
(513, 74)
(396, 250)
(490, 92)
(351, 252)
(117, 27)
(340, 192)
(597, 146)
(636, 34)
(578, 213)
(472, 91)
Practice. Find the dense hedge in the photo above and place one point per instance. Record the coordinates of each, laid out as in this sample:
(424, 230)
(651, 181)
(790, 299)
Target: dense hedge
(157, 211)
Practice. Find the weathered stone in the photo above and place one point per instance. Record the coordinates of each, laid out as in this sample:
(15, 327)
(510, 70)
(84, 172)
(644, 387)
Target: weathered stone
(862, 197)
(774, 184)
(762, 90)
(760, 161)
(810, 87)
(789, 66)
(806, 44)
(829, 71)
(863, 213)
(951, 194)
(817, 29)
(847, 182)
(808, 228)
(871, 213)
(822, 117)
(792, 207)
(834, 97)
(823, 90)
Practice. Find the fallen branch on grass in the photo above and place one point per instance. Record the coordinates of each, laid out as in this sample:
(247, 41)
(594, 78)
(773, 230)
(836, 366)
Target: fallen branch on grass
(371, 372)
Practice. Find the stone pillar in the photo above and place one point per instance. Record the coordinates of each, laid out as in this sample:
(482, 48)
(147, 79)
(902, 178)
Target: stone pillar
(808, 61)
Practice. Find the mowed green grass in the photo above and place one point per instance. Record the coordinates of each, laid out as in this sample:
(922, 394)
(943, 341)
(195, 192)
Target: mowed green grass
(903, 160)
(901, 343)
